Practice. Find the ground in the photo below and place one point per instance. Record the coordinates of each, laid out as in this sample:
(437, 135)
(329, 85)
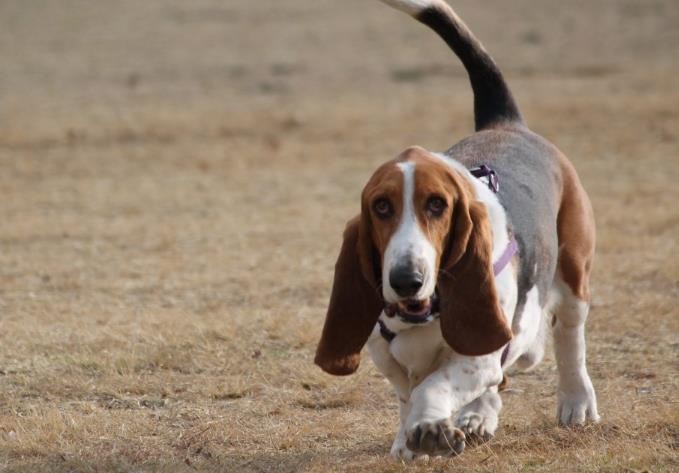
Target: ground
(175, 177)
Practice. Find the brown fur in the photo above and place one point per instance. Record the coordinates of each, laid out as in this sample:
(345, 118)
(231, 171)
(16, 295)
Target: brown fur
(576, 230)
(504, 384)
(386, 183)
(472, 321)
(355, 303)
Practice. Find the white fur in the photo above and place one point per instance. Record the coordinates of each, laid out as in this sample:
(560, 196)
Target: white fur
(576, 397)
(526, 328)
(481, 416)
(409, 243)
(431, 380)
(412, 7)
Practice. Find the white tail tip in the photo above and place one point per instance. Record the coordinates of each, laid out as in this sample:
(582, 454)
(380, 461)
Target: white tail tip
(412, 7)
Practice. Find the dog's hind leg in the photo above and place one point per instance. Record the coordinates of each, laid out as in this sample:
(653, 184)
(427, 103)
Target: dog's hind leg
(576, 397)
(569, 304)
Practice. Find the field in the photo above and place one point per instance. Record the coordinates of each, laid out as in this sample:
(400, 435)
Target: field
(174, 180)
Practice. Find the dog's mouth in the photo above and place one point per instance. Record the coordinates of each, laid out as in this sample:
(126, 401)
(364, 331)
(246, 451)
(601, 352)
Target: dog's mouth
(413, 310)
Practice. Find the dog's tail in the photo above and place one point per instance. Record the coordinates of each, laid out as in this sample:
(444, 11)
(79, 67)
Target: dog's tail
(493, 101)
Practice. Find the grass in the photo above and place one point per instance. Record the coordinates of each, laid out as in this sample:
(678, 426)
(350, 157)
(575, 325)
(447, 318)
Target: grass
(167, 242)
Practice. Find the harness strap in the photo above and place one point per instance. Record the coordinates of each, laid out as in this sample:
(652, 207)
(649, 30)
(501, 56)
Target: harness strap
(506, 256)
(485, 171)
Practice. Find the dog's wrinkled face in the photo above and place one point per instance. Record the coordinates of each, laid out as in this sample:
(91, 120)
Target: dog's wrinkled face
(410, 201)
(419, 217)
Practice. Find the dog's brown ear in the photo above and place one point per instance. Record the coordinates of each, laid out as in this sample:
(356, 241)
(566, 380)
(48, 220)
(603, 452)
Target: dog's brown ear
(355, 303)
(472, 320)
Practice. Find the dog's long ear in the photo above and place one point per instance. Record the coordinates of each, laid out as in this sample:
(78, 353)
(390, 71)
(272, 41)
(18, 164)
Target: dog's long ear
(472, 320)
(355, 303)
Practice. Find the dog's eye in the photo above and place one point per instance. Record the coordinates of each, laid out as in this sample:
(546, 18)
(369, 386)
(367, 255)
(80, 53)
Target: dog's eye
(436, 206)
(383, 208)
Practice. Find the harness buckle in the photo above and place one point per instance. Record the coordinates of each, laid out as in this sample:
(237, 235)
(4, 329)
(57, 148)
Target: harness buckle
(485, 171)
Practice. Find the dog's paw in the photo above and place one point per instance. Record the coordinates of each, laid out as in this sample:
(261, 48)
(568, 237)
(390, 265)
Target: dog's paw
(399, 451)
(438, 438)
(577, 403)
(479, 419)
(478, 427)
(576, 411)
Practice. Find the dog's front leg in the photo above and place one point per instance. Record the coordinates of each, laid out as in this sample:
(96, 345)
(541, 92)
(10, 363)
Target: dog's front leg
(385, 362)
(399, 448)
(460, 380)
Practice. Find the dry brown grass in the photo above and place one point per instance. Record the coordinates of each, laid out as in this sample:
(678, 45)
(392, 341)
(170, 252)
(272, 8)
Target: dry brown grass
(174, 181)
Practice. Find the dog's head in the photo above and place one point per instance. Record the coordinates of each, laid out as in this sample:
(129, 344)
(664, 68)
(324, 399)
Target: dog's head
(421, 236)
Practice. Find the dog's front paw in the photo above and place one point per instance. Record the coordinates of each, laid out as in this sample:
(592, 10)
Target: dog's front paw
(399, 451)
(479, 419)
(438, 438)
(478, 427)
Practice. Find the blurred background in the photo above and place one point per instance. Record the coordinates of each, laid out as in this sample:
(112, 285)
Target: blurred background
(174, 180)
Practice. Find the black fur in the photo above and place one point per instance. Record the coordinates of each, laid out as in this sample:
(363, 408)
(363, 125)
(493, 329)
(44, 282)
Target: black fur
(493, 101)
(524, 162)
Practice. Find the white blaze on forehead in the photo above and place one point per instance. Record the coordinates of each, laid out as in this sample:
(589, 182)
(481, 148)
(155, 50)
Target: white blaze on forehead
(408, 170)
(409, 245)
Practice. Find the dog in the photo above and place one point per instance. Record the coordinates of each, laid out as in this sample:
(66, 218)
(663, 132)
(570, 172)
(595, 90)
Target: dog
(457, 264)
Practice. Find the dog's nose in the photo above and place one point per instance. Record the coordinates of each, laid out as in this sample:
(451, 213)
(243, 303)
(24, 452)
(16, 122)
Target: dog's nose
(405, 281)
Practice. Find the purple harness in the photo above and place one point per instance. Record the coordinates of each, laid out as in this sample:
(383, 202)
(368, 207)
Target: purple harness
(506, 256)
(502, 262)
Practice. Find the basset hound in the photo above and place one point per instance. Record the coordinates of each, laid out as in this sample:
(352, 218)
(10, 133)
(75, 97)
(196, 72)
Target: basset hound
(456, 263)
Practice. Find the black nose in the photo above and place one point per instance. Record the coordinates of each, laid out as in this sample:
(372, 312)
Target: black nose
(405, 281)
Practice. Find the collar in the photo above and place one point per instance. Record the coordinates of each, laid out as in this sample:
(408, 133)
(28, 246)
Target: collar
(387, 334)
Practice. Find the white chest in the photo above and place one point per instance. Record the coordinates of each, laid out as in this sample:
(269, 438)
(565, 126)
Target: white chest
(418, 350)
